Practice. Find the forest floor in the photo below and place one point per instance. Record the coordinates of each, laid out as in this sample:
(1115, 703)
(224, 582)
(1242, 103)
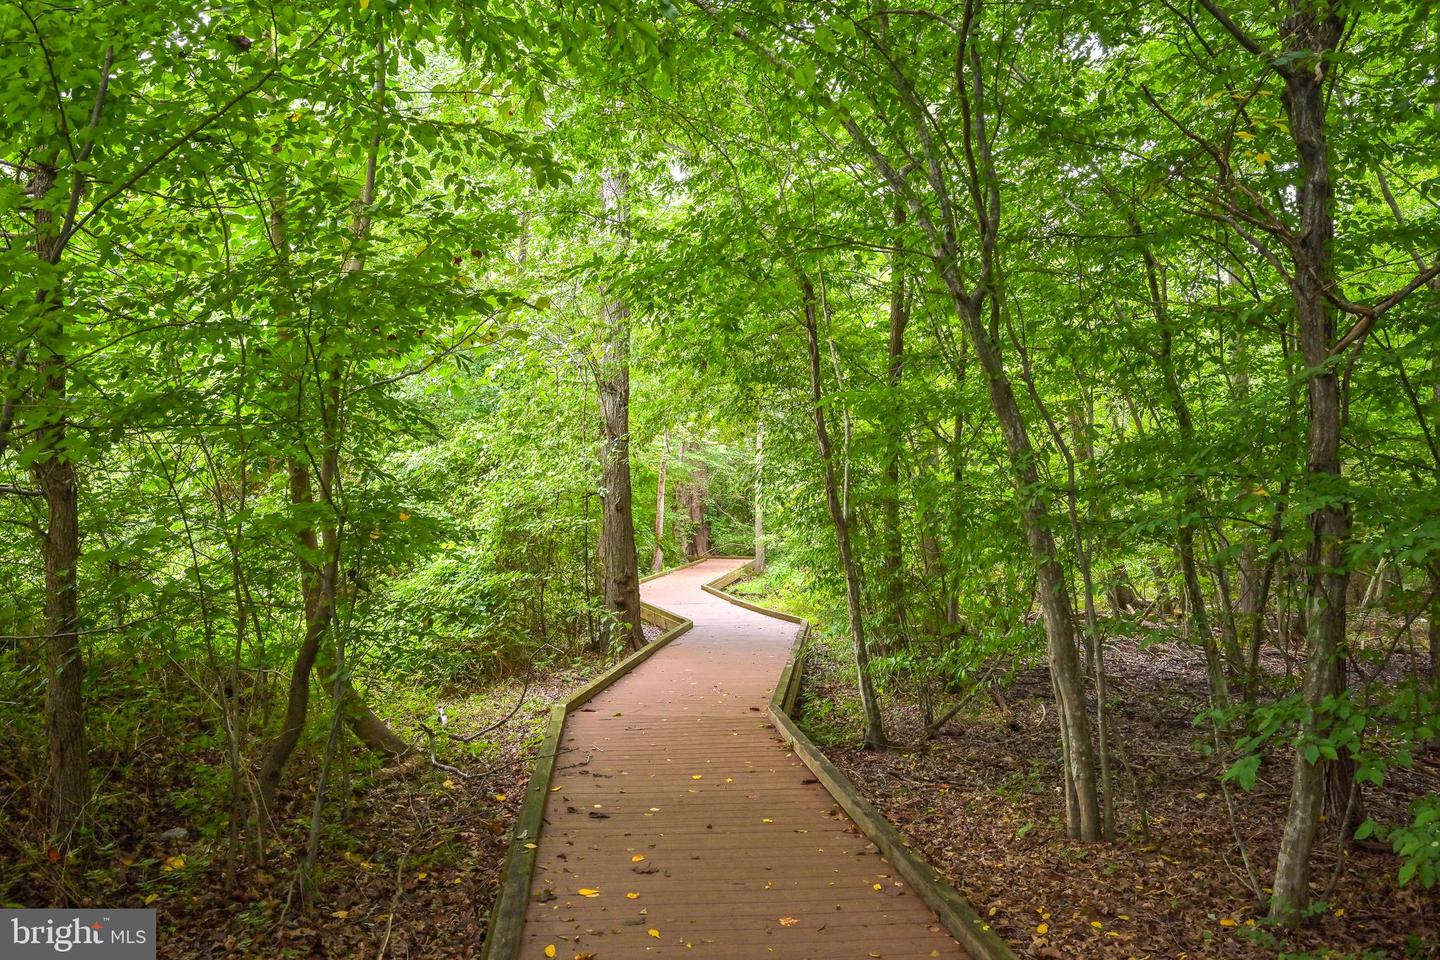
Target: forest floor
(980, 801)
(410, 857)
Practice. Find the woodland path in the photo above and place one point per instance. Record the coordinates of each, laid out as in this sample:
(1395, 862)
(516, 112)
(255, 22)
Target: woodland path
(673, 785)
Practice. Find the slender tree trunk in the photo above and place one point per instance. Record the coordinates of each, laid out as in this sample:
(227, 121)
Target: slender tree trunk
(68, 772)
(874, 723)
(319, 577)
(368, 728)
(1313, 31)
(759, 496)
(1051, 583)
(313, 591)
(892, 556)
(657, 559)
(1195, 605)
(620, 575)
(698, 502)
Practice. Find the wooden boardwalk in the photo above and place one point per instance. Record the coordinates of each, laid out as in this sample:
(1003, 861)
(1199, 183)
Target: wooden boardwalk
(680, 825)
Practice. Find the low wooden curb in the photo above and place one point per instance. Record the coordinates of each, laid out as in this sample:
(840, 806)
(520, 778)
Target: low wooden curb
(939, 894)
(507, 916)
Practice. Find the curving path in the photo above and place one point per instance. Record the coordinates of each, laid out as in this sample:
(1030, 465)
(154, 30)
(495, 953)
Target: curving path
(673, 787)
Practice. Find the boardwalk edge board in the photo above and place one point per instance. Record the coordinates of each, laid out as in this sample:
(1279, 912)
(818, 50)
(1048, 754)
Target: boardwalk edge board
(507, 916)
(953, 911)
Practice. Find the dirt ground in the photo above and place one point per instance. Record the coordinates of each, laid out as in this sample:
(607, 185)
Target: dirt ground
(981, 802)
(410, 858)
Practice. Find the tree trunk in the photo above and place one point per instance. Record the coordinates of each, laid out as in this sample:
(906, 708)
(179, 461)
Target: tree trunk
(1051, 582)
(313, 592)
(620, 574)
(759, 496)
(1192, 504)
(68, 772)
(657, 559)
(874, 723)
(697, 502)
(1329, 524)
(892, 560)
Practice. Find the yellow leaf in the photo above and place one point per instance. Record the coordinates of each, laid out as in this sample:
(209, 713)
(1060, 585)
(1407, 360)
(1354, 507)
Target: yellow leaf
(340, 914)
(1262, 158)
(500, 797)
(632, 896)
(421, 875)
(1244, 134)
(173, 863)
(766, 820)
(1096, 924)
(549, 949)
(364, 4)
(637, 858)
(1340, 912)
(404, 516)
(1227, 922)
(1042, 929)
(554, 789)
(696, 776)
(788, 921)
(448, 784)
(151, 898)
(654, 933)
(877, 886)
(587, 892)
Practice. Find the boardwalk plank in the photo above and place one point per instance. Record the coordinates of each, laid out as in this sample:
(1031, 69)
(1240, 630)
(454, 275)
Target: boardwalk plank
(676, 763)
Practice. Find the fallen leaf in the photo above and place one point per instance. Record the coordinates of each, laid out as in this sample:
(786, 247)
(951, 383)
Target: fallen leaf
(1042, 929)
(549, 949)
(632, 896)
(637, 858)
(788, 921)
(587, 892)
(340, 914)
(654, 933)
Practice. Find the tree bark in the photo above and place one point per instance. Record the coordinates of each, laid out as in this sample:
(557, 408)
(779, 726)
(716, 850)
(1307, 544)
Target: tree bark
(697, 502)
(1051, 583)
(892, 557)
(759, 496)
(1196, 609)
(1312, 32)
(620, 575)
(874, 723)
(53, 471)
(657, 559)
